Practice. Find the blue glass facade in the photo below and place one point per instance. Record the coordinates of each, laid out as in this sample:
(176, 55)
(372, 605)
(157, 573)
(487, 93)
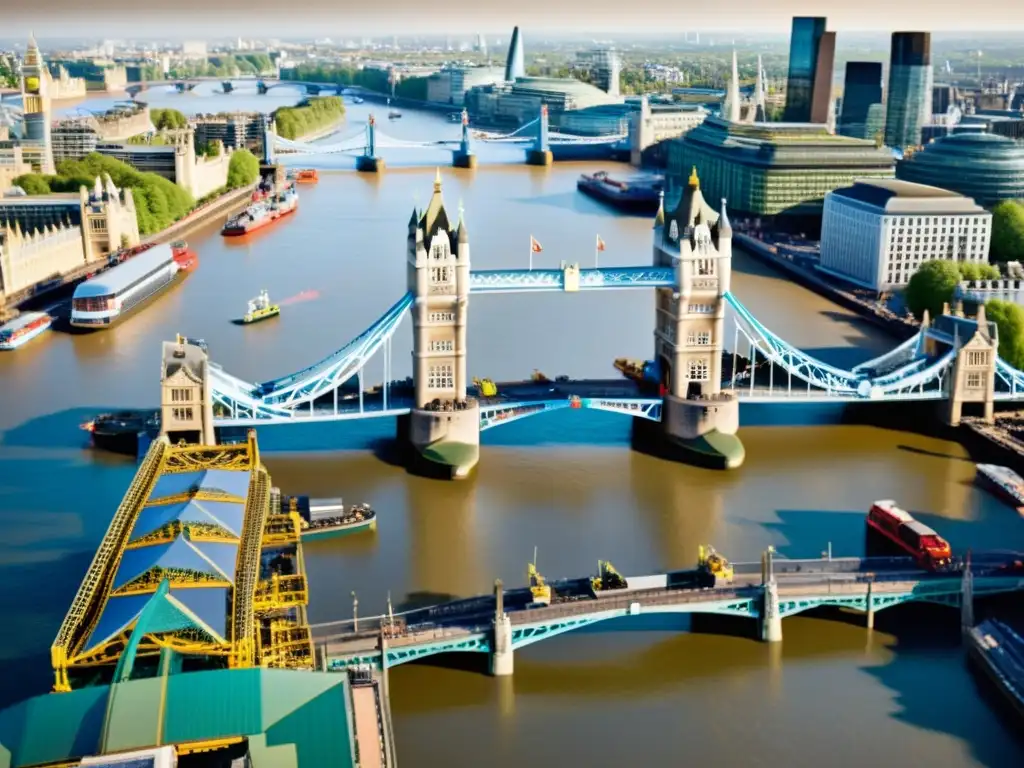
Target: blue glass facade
(979, 165)
(909, 103)
(811, 58)
(863, 111)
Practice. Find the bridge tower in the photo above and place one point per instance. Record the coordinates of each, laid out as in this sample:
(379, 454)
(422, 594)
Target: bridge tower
(269, 138)
(972, 378)
(368, 162)
(541, 152)
(502, 660)
(771, 617)
(36, 110)
(186, 402)
(698, 417)
(464, 157)
(444, 425)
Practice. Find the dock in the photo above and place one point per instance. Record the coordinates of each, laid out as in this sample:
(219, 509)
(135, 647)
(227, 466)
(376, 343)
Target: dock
(998, 652)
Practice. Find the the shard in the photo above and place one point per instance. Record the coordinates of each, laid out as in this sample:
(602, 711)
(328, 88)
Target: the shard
(514, 65)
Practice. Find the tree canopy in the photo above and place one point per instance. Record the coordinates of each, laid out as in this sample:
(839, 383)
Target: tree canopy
(1009, 319)
(310, 115)
(243, 169)
(935, 281)
(164, 119)
(158, 202)
(1008, 231)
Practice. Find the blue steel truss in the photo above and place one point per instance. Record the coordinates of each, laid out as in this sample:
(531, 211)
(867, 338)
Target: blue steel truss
(532, 280)
(496, 414)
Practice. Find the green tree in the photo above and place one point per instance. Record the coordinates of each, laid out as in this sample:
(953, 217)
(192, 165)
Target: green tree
(1008, 231)
(1009, 320)
(310, 115)
(33, 184)
(243, 169)
(975, 270)
(164, 119)
(931, 286)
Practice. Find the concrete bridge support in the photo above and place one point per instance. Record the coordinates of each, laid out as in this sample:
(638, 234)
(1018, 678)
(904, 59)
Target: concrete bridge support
(368, 162)
(541, 154)
(869, 609)
(464, 156)
(771, 619)
(501, 643)
(444, 424)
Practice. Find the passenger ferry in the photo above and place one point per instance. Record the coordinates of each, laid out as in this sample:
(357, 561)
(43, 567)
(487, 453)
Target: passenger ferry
(635, 193)
(262, 214)
(105, 299)
(23, 329)
(1002, 482)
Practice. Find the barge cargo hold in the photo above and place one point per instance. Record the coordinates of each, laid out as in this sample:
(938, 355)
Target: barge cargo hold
(22, 329)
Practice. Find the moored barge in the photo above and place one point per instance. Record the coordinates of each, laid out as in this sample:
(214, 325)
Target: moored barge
(328, 518)
(1002, 482)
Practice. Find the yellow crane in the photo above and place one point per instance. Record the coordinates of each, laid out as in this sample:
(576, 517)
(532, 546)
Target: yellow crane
(539, 589)
(607, 578)
(486, 387)
(713, 564)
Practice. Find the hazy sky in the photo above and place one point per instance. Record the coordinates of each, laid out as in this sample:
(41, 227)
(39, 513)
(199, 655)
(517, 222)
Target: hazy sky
(339, 18)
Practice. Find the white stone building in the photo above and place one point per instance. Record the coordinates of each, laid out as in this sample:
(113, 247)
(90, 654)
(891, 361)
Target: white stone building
(878, 232)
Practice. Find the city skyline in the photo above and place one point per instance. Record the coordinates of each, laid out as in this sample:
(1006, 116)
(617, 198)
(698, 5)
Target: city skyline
(119, 17)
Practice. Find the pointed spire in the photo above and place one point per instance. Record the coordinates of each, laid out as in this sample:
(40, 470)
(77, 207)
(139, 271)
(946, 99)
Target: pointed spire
(981, 320)
(945, 308)
(659, 220)
(731, 110)
(724, 226)
(437, 181)
(463, 231)
(97, 188)
(694, 181)
(926, 319)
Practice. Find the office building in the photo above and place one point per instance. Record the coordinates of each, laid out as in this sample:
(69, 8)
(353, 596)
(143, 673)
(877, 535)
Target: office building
(909, 100)
(982, 166)
(450, 84)
(517, 103)
(863, 111)
(604, 67)
(877, 234)
(515, 64)
(780, 171)
(811, 60)
(238, 129)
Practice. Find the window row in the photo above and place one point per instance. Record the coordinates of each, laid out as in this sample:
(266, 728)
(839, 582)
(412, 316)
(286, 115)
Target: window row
(181, 395)
(698, 339)
(441, 317)
(181, 414)
(697, 370)
(442, 345)
(441, 376)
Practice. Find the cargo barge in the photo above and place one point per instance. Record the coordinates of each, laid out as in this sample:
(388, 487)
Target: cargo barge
(262, 213)
(1003, 483)
(22, 329)
(119, 432)
(108, 298)
(328, 518)
(995, 650)
(639, 193)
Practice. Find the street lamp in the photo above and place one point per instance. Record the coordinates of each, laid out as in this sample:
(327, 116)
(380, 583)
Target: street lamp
(355, 612)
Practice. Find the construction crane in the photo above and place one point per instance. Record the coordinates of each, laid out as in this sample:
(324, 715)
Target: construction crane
(607, 578)
(539, 589)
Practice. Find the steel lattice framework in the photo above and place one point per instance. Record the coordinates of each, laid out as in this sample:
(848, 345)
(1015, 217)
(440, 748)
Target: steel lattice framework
(904, 373)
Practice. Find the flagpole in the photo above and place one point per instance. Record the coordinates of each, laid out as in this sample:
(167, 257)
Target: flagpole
(531, 253)
(597, 252)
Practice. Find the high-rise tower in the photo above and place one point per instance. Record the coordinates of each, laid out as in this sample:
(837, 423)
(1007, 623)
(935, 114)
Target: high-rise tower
(37, 148)
(515, 65)
(811, 59)
(909, 101)
(862, 115)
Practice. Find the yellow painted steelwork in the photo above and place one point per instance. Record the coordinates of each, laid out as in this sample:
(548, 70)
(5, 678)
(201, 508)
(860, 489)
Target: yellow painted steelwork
(88, 604)
(280, 592)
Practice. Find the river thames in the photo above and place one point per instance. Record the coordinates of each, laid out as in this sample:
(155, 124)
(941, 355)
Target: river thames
(830, 694)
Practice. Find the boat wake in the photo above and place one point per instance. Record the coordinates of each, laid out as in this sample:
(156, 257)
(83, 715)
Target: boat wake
(299, 298)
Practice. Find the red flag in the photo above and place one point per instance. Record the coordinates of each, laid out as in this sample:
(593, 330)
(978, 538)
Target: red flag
(600, 243)
(534, 245)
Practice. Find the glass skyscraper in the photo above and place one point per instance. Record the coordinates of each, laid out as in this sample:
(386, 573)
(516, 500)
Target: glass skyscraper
(909, 102)
(863, 115)
(811, 59)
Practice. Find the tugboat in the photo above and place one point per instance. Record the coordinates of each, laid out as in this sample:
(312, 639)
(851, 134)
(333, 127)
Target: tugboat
(304, 176)
(260, 308)
(327, 518)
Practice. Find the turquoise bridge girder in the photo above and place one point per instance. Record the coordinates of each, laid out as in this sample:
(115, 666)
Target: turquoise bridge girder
(744, 602)
(904, 373)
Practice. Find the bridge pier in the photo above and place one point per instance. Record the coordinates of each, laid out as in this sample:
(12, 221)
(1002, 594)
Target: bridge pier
(501, 645)
(368, 162)
(771, 619)
(541, 154)
(463, 157)
(869, 608)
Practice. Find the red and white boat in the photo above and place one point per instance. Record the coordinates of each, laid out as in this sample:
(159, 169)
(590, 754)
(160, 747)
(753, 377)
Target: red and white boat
(895, 524)
(23, 329)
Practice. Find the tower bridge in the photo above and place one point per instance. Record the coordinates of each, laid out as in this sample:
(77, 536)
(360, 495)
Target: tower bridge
(541, 145)
(690, 408)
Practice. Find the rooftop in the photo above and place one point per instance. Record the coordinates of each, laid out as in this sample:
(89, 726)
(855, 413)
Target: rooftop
(123, 275)
(894, 196)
